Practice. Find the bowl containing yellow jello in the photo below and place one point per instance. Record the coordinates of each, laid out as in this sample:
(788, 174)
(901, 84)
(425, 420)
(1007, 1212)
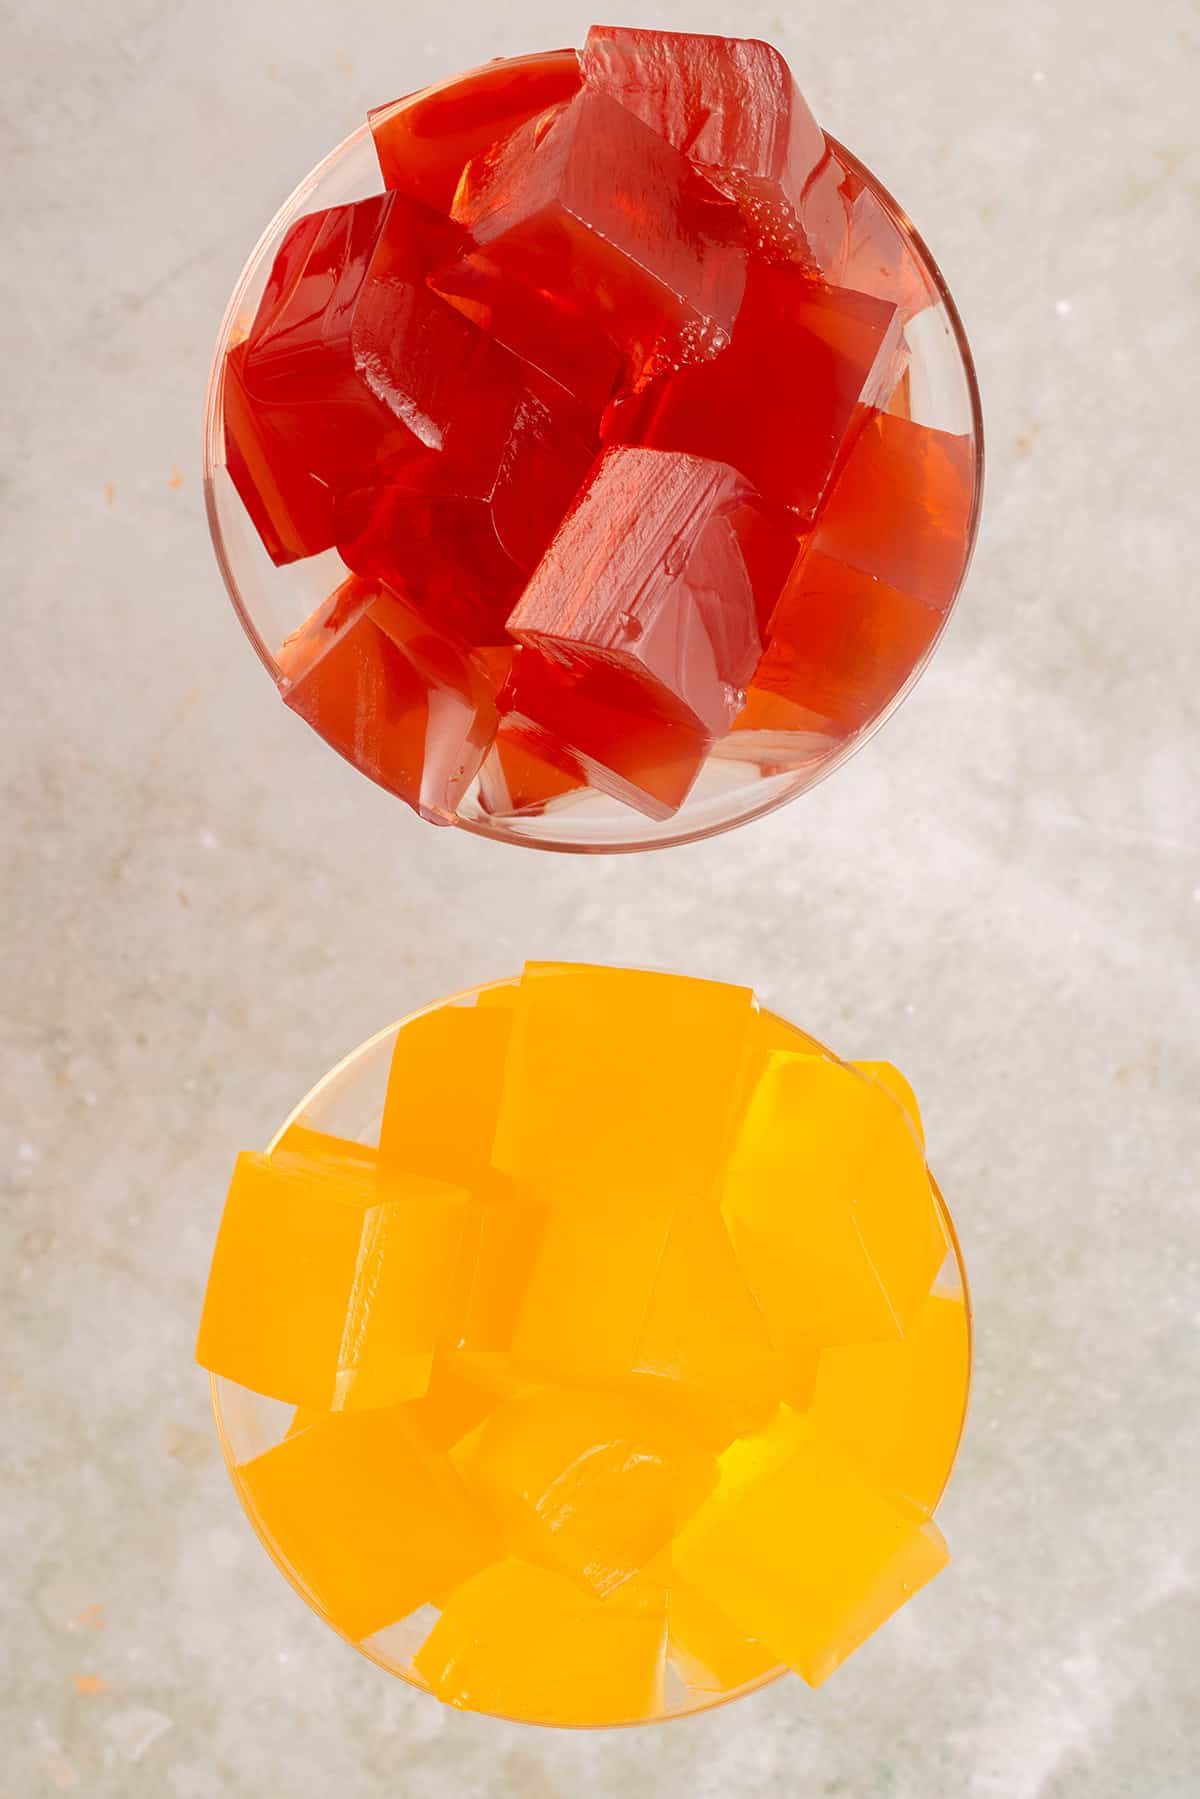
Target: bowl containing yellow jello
(593, 1347)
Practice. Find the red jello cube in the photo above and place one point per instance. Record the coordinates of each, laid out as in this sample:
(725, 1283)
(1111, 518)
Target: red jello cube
(729, 104)
(901, 508)
(595, 717)
(405, 705)
(458, 534)
(351, 358)
(869, 590)
(425, 141)
(647, 580)
(781, 403)
(521, 775)
(291, 508)
(608, 234)
(843, 642)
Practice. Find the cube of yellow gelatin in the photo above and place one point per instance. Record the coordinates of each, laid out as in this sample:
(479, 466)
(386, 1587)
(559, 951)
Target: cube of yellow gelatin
(644, 1293)
(590, 1484)
(321, 1292)
(897, 1408)
(704, 1338)
(439, 1116)
(800, 1552)
(522, 1642)
(367, 1517)
(771, 1032)
(615, 1074)
(828, 1201)
(584, 1309)
(887, 1075)
(501, 994)
(711, 1654)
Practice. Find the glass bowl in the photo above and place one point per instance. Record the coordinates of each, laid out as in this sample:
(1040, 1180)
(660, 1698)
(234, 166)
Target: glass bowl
(348, 1102)
(738, 782)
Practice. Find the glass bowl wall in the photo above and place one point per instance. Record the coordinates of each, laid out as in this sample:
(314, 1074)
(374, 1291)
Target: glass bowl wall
(734, 785)
(348, 1102)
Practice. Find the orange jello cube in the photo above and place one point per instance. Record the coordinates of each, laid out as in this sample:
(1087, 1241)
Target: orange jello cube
(897, 1408)
(327, 1288)
(621, 1078)
(828, 1202)
(411, 709)
(443, 1093)
(590, 1484)
(900, 1088)
(370, 1519)
(523, 1642)
(800, 1552)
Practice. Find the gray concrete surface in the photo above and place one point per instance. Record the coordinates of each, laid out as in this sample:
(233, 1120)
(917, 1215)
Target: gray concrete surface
(203, 908)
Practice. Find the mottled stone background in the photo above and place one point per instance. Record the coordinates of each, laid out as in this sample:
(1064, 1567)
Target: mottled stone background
(203, 908)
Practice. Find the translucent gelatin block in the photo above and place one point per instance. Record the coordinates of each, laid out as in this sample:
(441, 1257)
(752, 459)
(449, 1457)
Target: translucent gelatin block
(622, 1077)
(576, 717)
(292, 508)
(870, 590)
(521, 1642)
(590, 220)
(799, 1552)
(783, 402)
(351, 358)
(878, 257)
(329, 1289)
(660, 572)
(425, 141)
(590, 1484)
(523, 775)
(411, 708)
(371, 1520)
(731, 106)
(855, 1258)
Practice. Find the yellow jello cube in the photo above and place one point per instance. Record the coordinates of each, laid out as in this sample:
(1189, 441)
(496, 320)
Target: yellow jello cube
(443, 1093)
(590, 1484)
(526, 1643)
(370, 1519)
(800, 1552)
(828, 1201)
(324, 1294)
(619, 1076)
(711, 1654)
(897, 1408)
(463, 1389)
(632, 1290)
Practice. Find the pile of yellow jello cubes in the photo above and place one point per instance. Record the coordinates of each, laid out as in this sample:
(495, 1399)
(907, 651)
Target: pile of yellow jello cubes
(625, 1351)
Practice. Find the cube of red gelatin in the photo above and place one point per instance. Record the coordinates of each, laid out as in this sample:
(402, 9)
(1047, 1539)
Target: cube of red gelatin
(596, 718)
(351, 357)
(782, 402)
(730, 104)
(901, 508)
(425, 141)
(291, 508)
(521, 776)
(843, 643)
(608, 234)
(647, 578)
(409, 708)
(457, 534)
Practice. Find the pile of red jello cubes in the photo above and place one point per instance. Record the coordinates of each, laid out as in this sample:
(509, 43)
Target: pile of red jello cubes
(604, 405)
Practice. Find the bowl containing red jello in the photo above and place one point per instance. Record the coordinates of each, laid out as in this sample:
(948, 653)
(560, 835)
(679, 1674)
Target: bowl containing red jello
(592, 450)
